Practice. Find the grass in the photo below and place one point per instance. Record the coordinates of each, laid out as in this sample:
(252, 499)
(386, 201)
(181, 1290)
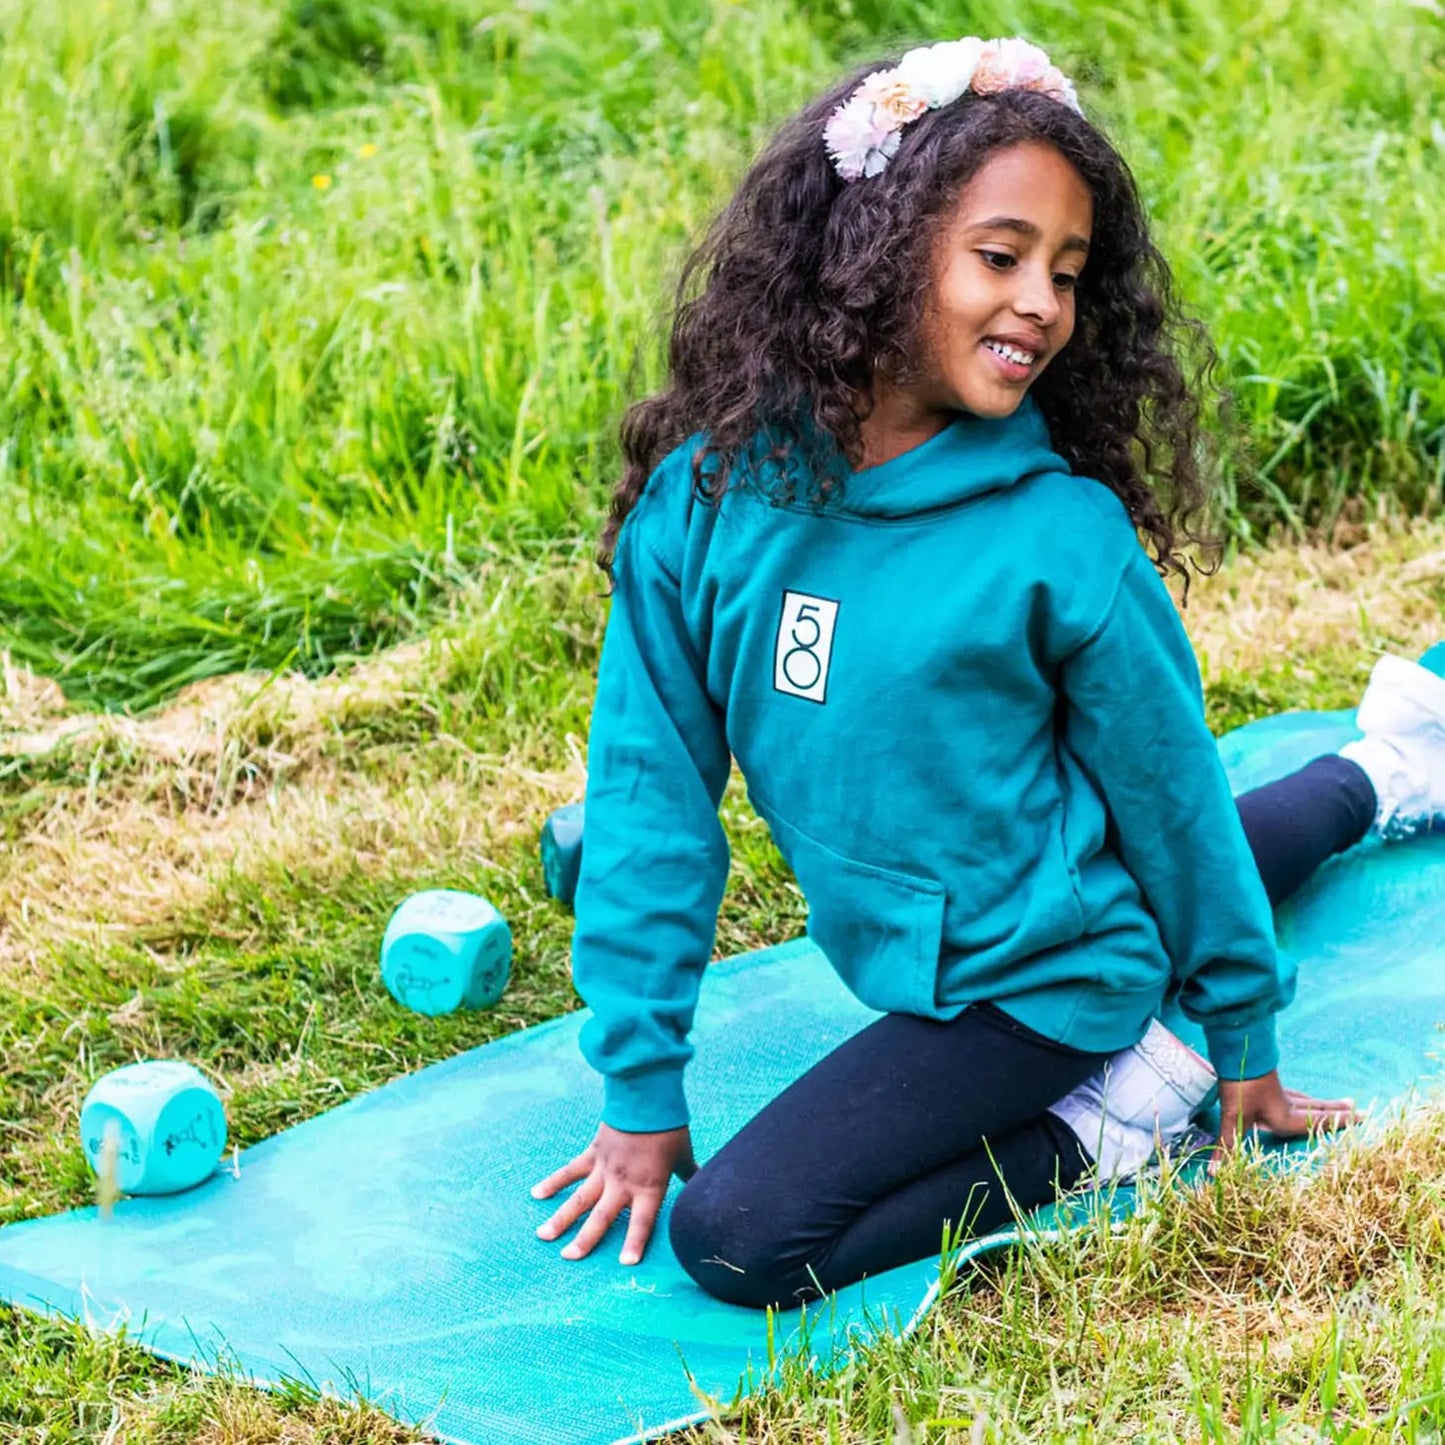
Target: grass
(318, 317)
(315, 304)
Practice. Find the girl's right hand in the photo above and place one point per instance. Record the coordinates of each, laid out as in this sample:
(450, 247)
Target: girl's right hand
(618, 1171)
(1286, 1113)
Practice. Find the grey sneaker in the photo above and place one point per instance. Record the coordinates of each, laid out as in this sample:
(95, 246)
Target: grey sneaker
(1141, 1100)
(1402, 716)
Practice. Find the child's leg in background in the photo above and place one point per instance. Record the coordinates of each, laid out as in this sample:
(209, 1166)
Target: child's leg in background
(1295, 823)
(855, 1167)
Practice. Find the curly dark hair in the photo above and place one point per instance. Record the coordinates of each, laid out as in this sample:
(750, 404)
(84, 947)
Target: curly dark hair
(805, 283)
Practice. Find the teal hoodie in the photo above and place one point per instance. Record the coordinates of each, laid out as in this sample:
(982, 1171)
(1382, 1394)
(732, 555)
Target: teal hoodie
(963, 702)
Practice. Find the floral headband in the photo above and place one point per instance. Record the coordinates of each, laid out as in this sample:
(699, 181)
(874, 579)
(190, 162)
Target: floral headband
(864, 132)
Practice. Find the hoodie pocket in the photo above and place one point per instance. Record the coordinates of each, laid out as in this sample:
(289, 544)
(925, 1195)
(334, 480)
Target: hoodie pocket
(881, 930)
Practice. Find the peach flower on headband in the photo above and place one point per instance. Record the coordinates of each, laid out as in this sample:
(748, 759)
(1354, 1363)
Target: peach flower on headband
(892, 98)
(1006, 64)
(1014, 64)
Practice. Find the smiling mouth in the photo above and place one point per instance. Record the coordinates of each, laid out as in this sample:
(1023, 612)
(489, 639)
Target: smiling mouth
(1011, 353)
(1015, 365)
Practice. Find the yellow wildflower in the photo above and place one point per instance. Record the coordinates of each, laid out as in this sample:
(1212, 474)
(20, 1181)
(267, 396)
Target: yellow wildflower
(322, 182)
(367, 151)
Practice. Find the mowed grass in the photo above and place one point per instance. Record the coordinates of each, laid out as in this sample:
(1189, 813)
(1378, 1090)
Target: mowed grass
(318, 320)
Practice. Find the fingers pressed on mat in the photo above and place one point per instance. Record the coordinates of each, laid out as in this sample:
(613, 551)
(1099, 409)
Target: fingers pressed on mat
(577, 1169)
(572, 1209)
(1307, 1109)
(598, 1223)
(639, 1229)
(1327, 1116)
(1296, 1097)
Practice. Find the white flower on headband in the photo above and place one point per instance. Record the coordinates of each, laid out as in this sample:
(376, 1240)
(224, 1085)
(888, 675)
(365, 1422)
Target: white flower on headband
(863, 134)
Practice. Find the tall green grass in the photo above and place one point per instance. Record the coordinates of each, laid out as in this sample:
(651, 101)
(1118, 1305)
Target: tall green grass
(306, 306)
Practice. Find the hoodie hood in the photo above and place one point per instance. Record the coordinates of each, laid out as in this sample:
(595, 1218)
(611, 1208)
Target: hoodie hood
(971, 456)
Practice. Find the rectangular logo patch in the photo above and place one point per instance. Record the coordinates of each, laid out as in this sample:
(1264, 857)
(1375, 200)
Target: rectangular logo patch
(805, 646)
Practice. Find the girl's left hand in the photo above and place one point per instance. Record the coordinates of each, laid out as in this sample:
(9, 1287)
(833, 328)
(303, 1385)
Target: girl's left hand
(1286, 1113)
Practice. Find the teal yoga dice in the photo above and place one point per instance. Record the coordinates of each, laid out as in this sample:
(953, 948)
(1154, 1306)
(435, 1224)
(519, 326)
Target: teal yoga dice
(157, 1127)
(444, 950)
(562, 852)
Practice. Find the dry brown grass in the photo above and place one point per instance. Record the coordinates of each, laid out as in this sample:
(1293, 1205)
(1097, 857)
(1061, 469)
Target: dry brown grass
(26, 701)
(241, 772)
(93, 867)
(1385, 592)
(1263, 1261)
(248, 769)
(225, 1412)
(249, 725)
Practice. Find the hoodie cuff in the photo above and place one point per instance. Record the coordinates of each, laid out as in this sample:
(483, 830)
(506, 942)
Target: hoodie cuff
(1244, 1053)
(645, 1103)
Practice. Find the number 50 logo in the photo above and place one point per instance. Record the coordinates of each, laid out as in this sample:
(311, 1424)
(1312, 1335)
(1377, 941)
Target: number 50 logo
(805, 646)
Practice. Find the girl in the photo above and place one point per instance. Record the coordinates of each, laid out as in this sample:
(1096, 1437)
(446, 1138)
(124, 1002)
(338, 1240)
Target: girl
(879, 541)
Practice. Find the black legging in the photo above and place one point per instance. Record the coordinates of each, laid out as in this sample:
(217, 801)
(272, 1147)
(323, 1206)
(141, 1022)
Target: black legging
(861, 1164)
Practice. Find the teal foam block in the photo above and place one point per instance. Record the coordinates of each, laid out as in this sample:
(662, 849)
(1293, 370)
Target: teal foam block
(388, 1245)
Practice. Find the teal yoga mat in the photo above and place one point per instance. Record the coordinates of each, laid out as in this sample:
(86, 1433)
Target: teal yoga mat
(387, 1245)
